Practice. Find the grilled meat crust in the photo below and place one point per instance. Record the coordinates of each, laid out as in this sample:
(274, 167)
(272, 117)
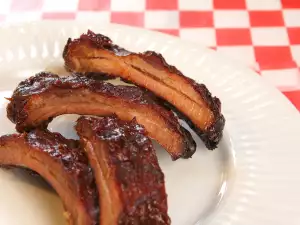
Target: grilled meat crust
(42, 97)
(60, 162)
(96, 53)
(124, 163)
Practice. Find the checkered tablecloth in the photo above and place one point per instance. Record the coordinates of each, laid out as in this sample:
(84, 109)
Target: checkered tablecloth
(262, 34)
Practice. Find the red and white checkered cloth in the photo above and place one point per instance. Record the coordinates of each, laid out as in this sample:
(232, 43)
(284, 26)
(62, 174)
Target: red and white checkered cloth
(262, 34)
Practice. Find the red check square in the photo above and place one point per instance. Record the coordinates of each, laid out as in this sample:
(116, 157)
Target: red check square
(294, 97)
(161, 4)
(233, 37)
(196, 19)
(290, 4)
(28, 5)
(58, 15)
(274, 57)
(294, 35)
(94, 5)
(128, 18)
(229, 4)
(266, 18)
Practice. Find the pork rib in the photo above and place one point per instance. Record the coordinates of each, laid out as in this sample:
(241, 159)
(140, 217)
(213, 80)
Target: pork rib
(40, 98)
(63, 164)
(129, 179)
(93, 53)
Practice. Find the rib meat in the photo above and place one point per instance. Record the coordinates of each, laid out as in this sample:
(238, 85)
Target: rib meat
(93, 53)
(40, 98)
(129, 179)
(63, 164)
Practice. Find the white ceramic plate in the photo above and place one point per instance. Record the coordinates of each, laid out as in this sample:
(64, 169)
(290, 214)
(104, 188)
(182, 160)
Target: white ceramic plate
(253, 177)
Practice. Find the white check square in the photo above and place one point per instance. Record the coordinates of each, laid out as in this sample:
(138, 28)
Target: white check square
(101, 17)
(231, 19)
(195, 4)
(295, 49)
(264, 4)
(128, 5)
(60, 5)
(270, 36)
(292, 17)
(162, 19)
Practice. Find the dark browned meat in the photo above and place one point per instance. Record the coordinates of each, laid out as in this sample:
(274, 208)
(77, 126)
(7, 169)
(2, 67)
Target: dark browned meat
(93, 53)
(63, 164)
(40, 98)
(129, 179)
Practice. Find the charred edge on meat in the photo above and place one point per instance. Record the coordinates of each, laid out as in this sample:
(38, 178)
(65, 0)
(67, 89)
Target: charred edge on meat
(212, 135)
(132, 155)
(69, 154)
(44, 82)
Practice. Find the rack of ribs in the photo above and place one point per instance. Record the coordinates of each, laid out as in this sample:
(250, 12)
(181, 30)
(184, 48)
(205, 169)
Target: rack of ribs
(42, 97)
(129, 180)
(62, 164)
(96, 53)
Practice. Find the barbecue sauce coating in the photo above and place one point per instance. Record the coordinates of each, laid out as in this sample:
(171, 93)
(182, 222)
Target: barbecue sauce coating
(18, 110)
(67, 153)
(212, 133)
(130, 154)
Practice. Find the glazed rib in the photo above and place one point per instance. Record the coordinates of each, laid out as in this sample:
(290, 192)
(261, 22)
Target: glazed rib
(40, 98)
(129, 180)
(63, 164)
(96, 53)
